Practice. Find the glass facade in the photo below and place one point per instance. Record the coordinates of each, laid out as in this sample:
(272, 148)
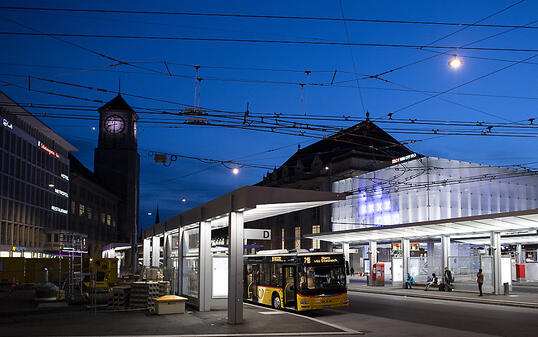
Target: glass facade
(34, 185)
(431, 188)
(191, 262)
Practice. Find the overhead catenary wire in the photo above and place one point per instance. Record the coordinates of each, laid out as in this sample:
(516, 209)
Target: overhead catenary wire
(254, 16)
(261, 41)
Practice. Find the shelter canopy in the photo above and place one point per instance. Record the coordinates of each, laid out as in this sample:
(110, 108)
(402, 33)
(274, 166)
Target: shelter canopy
(507, 222)
(256, 202)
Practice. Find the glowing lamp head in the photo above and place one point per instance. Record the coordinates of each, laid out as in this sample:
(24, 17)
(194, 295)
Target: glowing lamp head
(455, 63)
(183, 199)
(149, 213)
(235, 171)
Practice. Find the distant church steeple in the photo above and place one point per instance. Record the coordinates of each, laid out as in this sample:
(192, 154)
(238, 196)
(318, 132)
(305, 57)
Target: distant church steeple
(157, 219)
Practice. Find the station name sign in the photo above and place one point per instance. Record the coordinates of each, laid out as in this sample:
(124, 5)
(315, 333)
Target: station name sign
(320, 259)
(405, 158)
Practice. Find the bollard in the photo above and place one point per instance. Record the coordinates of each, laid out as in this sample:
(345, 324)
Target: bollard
(506, 288)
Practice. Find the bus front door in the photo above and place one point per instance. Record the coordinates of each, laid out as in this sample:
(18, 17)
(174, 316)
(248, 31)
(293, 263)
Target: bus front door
(290, 297)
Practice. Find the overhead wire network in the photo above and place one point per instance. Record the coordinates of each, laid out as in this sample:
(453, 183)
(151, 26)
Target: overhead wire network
(254, 16)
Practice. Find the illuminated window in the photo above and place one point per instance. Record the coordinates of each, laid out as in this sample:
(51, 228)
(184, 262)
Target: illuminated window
(73, 207)
(108, 219)
(315, 230)
(297, 237)
(103, 218)
(89, 211)
(81, 209)
(283, 241)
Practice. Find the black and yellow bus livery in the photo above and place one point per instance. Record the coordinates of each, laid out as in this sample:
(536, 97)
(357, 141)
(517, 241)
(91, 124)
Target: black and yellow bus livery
(298, 281)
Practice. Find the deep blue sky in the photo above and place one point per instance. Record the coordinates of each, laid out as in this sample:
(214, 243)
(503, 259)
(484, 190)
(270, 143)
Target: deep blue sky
(49, 58)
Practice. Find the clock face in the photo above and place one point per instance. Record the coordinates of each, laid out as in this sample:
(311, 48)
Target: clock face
(114, 124)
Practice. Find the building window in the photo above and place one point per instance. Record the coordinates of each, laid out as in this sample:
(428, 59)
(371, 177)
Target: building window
(89, 211)
(73, 207)
(283, 239)
(103, 218)
(108, 219)
(81, 209)
(316, 229)
(297, 237)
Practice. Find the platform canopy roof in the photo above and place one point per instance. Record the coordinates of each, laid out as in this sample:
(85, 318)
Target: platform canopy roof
(256, 203)
(508, 222)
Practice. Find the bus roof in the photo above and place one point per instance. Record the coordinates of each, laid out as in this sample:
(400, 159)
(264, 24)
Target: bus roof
(295, 254)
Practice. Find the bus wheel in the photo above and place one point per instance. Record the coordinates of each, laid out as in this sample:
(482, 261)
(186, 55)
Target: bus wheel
(276, 301)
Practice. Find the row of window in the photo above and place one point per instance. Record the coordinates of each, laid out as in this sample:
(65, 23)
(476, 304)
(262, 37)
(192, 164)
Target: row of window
(297, 238)
(88, 196)
(19, 235)
(18, 212)
(92, 214)
(13, 144)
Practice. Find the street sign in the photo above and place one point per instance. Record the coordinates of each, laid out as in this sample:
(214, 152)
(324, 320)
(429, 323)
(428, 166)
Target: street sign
(257, 234)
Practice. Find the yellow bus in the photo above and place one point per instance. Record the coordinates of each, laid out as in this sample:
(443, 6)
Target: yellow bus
(298, 280)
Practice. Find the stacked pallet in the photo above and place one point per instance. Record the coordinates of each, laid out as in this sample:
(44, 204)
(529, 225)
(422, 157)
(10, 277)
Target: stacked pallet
(119, 297)
(143, 294)
(164, 288)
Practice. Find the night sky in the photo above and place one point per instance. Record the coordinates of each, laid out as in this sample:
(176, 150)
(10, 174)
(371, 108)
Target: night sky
(222, 64)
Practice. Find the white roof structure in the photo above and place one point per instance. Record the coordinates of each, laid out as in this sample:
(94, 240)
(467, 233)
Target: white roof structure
(507, 222)
(256, 202)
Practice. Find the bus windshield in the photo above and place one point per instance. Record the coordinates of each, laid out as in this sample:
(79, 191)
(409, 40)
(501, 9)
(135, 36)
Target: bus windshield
(325, 279)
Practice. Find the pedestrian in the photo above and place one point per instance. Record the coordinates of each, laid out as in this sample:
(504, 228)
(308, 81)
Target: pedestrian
(409, 282)
(447, 279)
(480, 280)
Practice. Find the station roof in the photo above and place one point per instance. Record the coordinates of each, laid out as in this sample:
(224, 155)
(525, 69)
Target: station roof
(256, 202)
(464, 226)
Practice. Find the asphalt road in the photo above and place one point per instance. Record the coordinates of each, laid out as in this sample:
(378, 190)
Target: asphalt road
(387, 315)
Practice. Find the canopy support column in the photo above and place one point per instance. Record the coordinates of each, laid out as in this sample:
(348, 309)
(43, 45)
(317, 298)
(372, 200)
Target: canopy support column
(372, 257)
(156, 251)
(205, 266)
(235, 268)
(496, 251)
(445, 251)
(345, 250)
(405, 259)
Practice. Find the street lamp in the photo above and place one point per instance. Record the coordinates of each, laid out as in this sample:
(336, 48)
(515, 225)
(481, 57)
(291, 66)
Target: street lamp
(455, 63)
(149, 213)
(183, 199)
(235, 171)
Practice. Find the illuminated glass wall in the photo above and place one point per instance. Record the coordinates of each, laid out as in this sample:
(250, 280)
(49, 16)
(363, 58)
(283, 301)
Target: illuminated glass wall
(431, 188)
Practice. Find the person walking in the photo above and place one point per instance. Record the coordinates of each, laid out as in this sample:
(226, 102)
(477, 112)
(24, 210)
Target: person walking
(480, 280)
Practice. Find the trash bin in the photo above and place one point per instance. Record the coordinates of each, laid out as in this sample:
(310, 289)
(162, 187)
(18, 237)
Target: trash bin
(506, 288)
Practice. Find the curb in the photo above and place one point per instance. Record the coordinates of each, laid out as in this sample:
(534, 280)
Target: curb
(452, 298)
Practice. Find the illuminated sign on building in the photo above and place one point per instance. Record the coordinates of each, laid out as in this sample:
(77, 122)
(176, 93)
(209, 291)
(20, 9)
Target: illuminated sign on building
(7, 124)
(65, 176)
(46, 149)
(58, 209)
(60, 192)
(320, 259)
(405, 158)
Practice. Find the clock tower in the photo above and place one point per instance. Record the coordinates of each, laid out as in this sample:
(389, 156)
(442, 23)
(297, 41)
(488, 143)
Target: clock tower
(117, 166)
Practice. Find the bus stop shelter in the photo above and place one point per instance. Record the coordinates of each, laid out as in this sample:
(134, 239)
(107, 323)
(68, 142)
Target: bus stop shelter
(495, 226)
(191, 231)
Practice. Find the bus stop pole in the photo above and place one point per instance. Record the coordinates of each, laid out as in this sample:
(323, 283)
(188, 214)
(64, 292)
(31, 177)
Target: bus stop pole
(235, 268)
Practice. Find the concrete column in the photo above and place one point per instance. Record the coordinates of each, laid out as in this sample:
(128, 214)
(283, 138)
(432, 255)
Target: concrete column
(372, 257)
(520, 258)
(179, 273)
(496, 251)
(406, 248)
(430, 248)
(205, 266)
(156, 251)
(235, 268)
(147, 252)
(445, 251)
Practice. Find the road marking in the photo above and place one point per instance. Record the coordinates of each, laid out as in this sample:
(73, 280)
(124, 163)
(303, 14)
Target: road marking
(271, 312)
(336, 326)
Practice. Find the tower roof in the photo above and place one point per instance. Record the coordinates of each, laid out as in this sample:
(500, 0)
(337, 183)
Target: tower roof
(117, 103)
